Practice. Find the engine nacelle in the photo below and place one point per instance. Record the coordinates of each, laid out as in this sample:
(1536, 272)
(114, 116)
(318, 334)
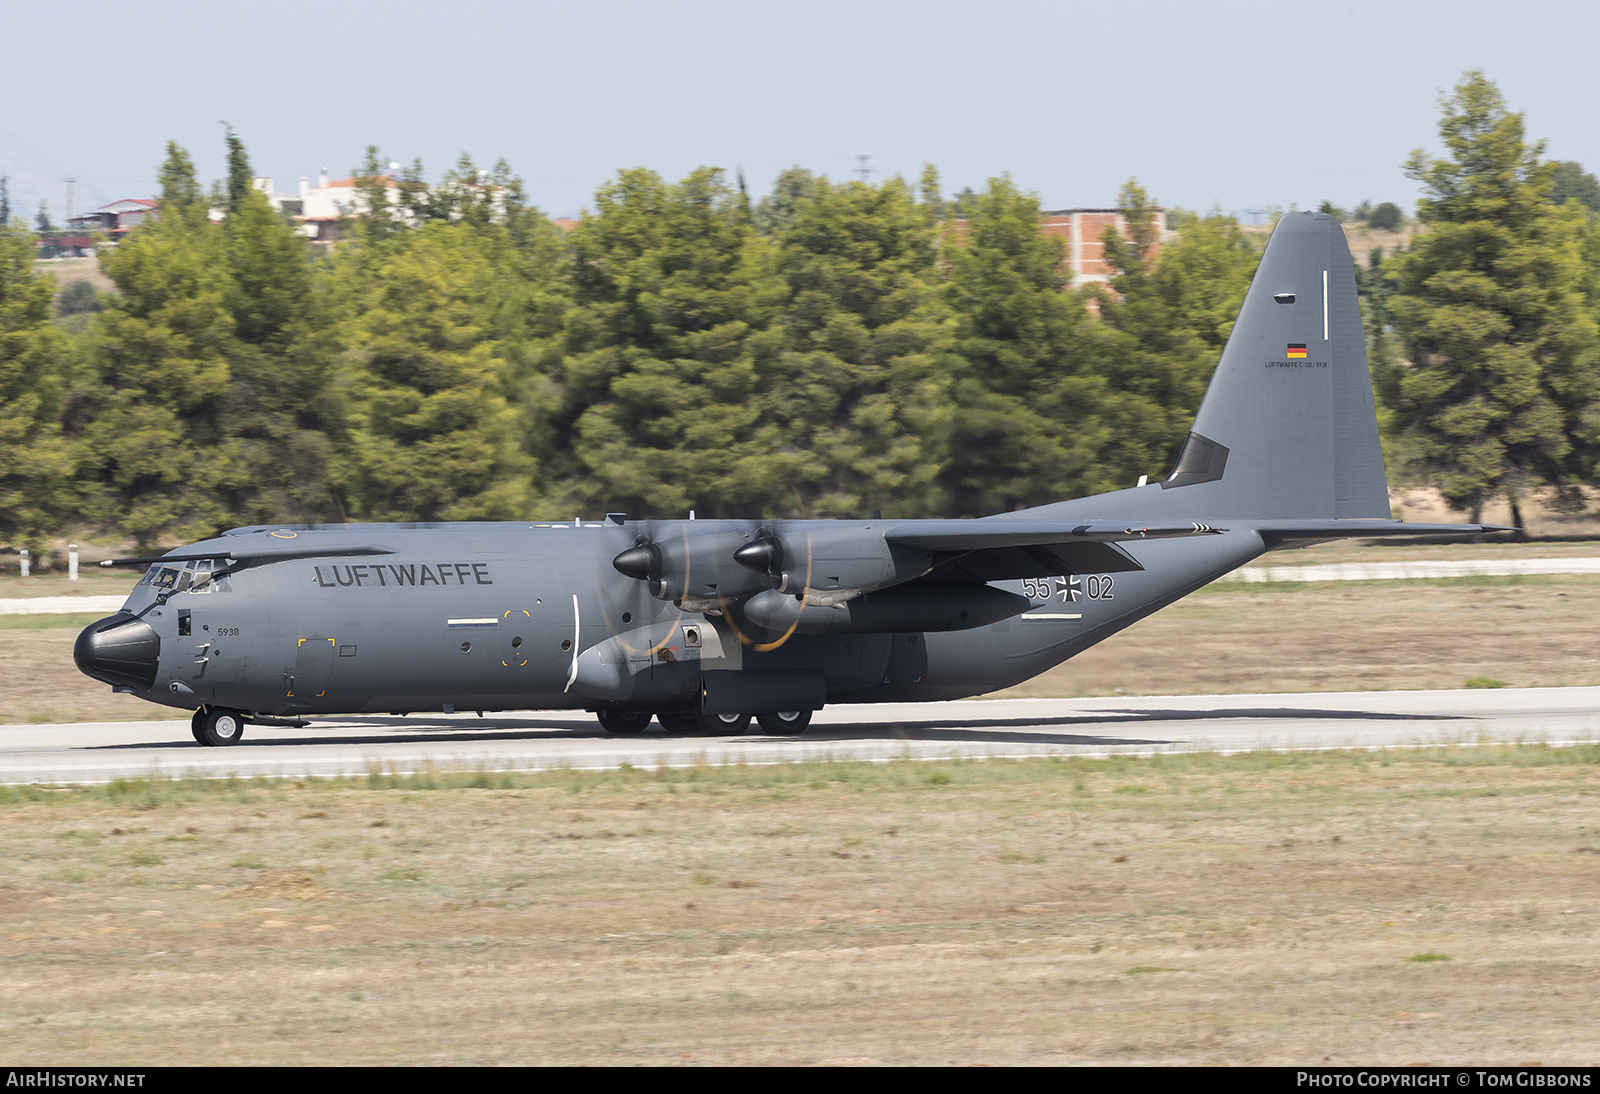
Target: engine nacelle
(847, 557)
(917, 606)
(692, 564)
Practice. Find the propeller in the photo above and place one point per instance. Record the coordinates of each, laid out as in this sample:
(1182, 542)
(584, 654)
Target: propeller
(775, 555)
(763, 555)
(642, 562)
(625, 605)
(689, 566)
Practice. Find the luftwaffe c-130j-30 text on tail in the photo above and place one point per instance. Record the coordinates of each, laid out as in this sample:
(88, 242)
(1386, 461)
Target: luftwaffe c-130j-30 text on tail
(706, 623)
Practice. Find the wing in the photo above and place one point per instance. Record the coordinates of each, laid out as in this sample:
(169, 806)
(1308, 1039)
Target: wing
(1000, 549)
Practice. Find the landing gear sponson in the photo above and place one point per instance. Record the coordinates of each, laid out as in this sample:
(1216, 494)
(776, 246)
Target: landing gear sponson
(616, 720)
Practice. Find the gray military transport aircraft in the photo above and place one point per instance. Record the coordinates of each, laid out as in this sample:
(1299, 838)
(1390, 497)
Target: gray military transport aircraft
(703, 624)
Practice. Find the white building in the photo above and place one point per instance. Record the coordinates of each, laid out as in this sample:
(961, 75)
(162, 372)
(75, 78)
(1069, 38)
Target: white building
(321, 210)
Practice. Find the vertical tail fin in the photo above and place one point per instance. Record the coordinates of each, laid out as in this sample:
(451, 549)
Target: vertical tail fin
(1287, 428)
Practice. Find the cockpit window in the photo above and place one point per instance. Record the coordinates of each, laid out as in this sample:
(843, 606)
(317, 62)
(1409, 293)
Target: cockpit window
(202, 582)
(162, 577)
(194, 578)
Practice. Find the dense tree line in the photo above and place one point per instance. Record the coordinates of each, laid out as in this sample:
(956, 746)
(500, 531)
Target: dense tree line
(827, 350)
(830, 349)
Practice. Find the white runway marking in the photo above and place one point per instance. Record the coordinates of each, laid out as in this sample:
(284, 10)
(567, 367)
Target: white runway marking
(1416, 571)
(99, 752)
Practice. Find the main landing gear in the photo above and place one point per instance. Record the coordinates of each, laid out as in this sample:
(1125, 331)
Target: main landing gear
(217, 726)
(616, 720)
(629, 722)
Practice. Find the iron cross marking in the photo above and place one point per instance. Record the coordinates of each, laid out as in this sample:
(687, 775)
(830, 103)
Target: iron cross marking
(1069, 588)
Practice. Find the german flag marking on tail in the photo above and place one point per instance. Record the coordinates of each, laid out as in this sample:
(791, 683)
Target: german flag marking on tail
(1296, 351)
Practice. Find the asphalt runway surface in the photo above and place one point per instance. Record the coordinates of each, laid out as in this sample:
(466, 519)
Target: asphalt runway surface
(974, 728)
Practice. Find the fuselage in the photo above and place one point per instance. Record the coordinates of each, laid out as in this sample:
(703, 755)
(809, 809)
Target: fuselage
(494, 616)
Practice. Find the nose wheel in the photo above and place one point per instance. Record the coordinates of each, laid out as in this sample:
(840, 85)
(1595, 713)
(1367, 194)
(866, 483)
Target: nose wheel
(215, 727)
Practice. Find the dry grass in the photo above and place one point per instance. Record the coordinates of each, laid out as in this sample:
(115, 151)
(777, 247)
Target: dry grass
(1339, 908)
(68, 270)
(1542, 515)
(41, 684)
(92, 581)
(1536, 631)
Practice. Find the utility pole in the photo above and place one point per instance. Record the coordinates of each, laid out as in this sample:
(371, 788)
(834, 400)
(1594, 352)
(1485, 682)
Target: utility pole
(864, 170)
(70, 184)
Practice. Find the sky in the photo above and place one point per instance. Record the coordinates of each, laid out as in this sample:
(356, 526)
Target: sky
(1231, 104)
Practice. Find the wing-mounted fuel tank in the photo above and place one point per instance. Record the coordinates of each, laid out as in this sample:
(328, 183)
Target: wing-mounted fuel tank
(659, 662)
(915, 606)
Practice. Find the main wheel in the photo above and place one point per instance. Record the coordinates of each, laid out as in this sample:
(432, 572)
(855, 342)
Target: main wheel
(785, 721)
(678, 721)
(614, 720)
(219, 726)
(195, 724)
(722, 725)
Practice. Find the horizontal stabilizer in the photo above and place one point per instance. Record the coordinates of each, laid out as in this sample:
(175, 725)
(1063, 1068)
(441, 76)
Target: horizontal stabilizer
(1291, 530)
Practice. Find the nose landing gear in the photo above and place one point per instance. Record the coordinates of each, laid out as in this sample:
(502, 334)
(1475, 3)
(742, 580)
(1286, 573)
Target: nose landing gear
(215, 727)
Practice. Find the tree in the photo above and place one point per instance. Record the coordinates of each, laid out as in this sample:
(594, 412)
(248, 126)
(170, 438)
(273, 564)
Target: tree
(1169, 319)
(381, 218)
(41, 220)
(1500, 388)
(776, 211)
(859, 395)
(78, 298)
(238, 172)
(668, 341)
(1025, 425)
(1570, 182)
(275, 415)
(1387, 217)
(203, 382)
(33, 466)
(5, 201)
(153, 382)
(179, 189)
(428, 377)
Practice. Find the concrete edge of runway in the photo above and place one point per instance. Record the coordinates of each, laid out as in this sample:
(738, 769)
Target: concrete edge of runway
(540, 766)
(88, 754)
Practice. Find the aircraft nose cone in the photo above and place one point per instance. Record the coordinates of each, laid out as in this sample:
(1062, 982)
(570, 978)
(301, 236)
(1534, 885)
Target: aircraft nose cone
(119, 650)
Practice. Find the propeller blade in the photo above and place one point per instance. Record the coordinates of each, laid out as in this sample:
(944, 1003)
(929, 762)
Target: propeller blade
(764, 647)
